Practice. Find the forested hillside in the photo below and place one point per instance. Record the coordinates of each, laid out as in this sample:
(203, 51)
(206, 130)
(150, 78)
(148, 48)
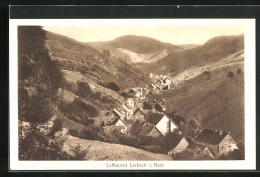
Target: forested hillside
(212, 51)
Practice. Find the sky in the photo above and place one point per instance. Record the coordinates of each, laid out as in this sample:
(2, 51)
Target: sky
(169, 34)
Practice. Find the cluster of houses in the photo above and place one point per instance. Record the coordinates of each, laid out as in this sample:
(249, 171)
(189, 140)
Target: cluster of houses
(141, 116)
(160, 82)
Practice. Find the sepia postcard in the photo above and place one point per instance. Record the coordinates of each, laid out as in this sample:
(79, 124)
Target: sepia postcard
(132, 94)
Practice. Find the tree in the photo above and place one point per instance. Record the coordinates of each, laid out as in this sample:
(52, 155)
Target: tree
(38, 82)
(192, 127)
(230, 74)
(84, 90)
(106, 53)
(78, 153)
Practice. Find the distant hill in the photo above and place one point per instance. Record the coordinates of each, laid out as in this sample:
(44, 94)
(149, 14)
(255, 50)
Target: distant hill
(188, 46)
(142, 44)
(215, 98)
(134, 49)
(210, 52)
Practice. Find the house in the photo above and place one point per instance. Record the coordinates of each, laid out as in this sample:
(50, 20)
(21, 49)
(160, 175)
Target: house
(107, 117)
(119, 112)
(131, 102)
(138, 115)
(129, 111)
(159, 82)
(175, 143)
(121, 125)
(217, 142)
(167, 81)
(163, 123)
(129, 107)
(140, 104)
(155, 88)
(138, 92)
(146, 129)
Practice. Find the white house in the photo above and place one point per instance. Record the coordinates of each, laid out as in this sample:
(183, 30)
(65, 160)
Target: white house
(163, 123)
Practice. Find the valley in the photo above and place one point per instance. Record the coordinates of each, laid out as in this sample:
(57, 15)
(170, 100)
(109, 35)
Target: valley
(136, 98)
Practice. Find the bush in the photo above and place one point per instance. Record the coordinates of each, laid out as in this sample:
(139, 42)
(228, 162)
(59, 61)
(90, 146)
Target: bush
(73, 132)
(230, 74)
(90, 134)
(125, 95)
(97, 96)
(84, 89)
(239, 71)
(78, 153)
(83, 71)
(207, 73)
(106, 100)
(111, 85)
(184, 155)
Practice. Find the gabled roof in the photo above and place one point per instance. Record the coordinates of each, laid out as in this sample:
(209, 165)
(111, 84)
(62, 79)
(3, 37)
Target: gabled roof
(116, 120)
(117, 112)
(141, 128)
(171, 141)
(155, 118)
(137, 127)
(138, 110)
(127, 107)
(211, 136)
(136, 89)
(146, 129)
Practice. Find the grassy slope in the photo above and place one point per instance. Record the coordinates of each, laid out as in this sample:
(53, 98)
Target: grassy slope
(218, 100)
(77, 56)
(80, 62)
(107, 151)
(212, 51)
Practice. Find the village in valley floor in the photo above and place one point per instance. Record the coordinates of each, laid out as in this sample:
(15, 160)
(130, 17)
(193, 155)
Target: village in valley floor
(133, 98)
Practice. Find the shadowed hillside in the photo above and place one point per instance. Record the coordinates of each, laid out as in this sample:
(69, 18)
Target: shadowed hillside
(94, 80)
(213, 50)
(78, 57)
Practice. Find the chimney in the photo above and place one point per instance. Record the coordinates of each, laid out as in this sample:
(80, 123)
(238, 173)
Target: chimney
(168, 126)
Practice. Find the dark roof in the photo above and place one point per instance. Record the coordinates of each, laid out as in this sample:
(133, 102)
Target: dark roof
(211, 136)
(116, 120)
(155, 118)
(171, 141)
(146, 129)
(140, 128)
(137, 127)
(138, 110)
